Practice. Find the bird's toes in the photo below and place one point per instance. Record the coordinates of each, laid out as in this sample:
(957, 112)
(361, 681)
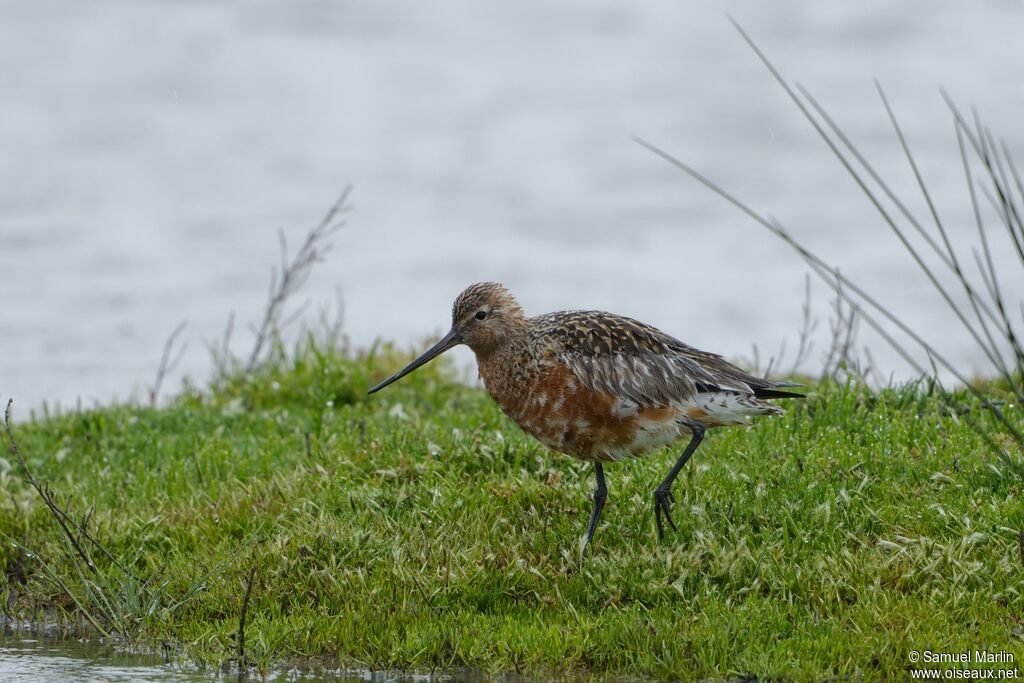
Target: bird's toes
(663, 506)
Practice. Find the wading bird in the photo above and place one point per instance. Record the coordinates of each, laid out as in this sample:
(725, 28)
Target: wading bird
(599, 386)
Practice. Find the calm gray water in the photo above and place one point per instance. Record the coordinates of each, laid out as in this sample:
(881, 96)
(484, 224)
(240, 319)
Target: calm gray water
(48, 659)
(151, 149)
(53, 659)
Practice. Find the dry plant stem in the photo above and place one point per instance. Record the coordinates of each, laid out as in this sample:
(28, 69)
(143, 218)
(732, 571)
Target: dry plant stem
(293, 273)
(426, 598)
(756, 361)
(987, 269)
(1012, 216)
(62, 515)
(808, 325)
(45, 493)
(977, 303)
(52, 575)
(221, 353)
(949, 258)
(978, 221)
(778, 358)
(807, 328)
(996, 294)
(333, 326)
(1000, 183)
(843, 331)
(837, 282)
(243, 663)
(1020, 190)
(166, 364)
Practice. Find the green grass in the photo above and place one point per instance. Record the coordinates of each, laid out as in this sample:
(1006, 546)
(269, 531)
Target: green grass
(418, 529)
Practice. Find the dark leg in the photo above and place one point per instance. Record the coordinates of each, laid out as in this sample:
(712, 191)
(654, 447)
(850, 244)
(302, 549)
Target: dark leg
(663, 494)
(600, 494)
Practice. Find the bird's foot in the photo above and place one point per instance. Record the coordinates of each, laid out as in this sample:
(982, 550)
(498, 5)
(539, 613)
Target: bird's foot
(586, 544)
(663, 500)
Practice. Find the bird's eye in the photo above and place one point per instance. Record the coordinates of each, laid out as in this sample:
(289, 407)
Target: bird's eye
(480, 315)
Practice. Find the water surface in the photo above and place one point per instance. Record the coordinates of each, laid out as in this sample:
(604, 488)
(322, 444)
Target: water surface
(42, 658)
(50, 657)
(152, 148)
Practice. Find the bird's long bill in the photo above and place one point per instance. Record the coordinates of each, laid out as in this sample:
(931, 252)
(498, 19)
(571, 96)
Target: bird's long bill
(448, 341)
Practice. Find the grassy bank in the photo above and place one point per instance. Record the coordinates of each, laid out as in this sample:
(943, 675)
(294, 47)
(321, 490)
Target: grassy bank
(418, 529)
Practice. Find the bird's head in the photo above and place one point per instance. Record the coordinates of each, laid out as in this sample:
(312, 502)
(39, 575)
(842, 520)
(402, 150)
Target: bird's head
(484, 316)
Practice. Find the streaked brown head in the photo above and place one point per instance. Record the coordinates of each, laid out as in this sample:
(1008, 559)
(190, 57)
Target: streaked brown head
(484, 316)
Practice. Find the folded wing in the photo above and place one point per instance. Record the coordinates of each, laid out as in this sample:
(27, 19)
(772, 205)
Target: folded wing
(631, 360)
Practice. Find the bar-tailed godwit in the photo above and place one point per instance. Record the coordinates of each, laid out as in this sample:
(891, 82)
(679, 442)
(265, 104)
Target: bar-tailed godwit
(598, 386)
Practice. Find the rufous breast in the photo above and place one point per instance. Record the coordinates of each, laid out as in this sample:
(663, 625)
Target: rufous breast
(565, 415)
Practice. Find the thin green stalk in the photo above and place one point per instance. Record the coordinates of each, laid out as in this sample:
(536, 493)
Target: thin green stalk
(836, 277)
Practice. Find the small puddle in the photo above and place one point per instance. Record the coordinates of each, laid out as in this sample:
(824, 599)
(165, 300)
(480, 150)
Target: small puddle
(50, 657)
(31, 657)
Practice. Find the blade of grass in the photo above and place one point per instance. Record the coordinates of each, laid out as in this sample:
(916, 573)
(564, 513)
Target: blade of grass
(993, 357)
(819, 266)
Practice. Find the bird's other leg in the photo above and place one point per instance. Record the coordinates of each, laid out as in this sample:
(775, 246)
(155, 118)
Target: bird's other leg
(663, 494)
(600, 494)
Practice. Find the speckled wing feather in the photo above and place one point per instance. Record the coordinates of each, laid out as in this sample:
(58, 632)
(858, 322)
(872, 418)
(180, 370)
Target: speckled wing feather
(628, 359)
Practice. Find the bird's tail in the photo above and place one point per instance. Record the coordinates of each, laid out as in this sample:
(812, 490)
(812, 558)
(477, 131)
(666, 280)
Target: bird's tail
(772, 392)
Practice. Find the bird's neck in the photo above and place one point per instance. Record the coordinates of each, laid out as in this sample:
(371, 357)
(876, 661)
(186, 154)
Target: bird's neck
(508, 370)
(502, 350)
